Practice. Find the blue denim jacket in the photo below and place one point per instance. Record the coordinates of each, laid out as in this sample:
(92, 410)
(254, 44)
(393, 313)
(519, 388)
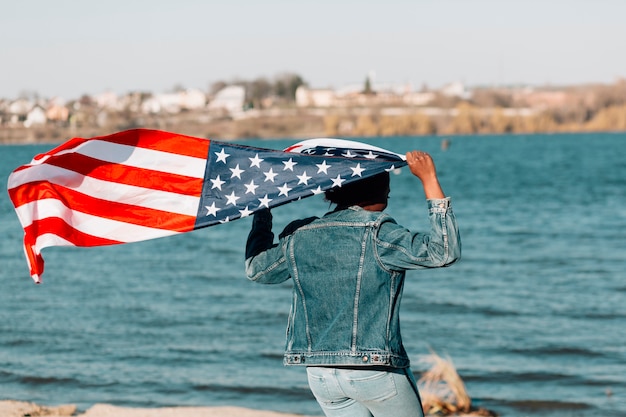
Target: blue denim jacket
(348, 270)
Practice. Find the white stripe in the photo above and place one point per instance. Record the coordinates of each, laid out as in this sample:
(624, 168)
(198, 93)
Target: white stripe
(110, 191)
(337, 143)
(137, 157)
(47, 240)
(87, 223)
(144, 158)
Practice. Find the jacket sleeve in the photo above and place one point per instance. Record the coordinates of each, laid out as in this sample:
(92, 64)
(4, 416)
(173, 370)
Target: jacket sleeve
(400, 249)
(265, 262)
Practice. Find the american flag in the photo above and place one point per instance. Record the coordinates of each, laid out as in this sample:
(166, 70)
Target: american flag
(142, 184)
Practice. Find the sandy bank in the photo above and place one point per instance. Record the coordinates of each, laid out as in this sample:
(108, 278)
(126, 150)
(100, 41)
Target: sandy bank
(9, 408)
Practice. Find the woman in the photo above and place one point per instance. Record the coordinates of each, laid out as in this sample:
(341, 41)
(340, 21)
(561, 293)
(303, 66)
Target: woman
(348, 269)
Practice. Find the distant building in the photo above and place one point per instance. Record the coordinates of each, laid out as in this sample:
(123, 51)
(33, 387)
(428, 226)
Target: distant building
(35, 117)
(158, 103)
(192, 99)
(56, 110)
(229, 99)
(455, 89)
(18, 109)
(108, 100)
(307, 97)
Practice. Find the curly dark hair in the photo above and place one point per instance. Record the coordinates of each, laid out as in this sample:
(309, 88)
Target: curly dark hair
(371, 190)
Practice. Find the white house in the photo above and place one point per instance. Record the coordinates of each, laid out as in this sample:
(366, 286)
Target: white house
(307, 97)
(192, 99)
(230, 99)
(175, 102)
(161, 103)
(35, 117)
(108, 100)
(455, 89)
(19, 108)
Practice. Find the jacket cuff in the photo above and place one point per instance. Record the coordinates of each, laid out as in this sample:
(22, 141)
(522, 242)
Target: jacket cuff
(439, 205)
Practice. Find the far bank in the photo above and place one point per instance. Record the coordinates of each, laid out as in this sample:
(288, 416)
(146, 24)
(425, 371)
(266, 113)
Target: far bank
(343, 122)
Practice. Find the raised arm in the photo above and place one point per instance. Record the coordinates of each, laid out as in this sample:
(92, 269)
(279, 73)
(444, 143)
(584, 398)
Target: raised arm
(265, 262)
(422, 166)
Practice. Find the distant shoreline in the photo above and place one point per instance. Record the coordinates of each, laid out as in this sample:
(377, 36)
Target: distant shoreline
(305, 126)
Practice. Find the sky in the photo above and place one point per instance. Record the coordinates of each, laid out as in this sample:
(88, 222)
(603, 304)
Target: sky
(68, 48)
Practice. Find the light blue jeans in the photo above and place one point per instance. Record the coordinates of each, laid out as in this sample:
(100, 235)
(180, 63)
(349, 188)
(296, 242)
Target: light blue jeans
(365, 393)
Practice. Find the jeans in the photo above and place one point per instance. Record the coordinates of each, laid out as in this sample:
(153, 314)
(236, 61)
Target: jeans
(365, 393)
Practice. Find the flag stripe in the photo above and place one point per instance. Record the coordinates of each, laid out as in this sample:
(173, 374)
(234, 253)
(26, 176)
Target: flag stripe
(161, 141)
(34, 207)
(91, 224)
(144, 184)
(141, 138)
(124, 174)
(60, 182)
(55, 231)
(142, 158)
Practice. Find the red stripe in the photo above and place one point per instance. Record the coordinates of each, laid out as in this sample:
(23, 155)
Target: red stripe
(35, 261)
(123, 174)
(59, 227)
(82, 203)
(72, 143)
(161, 141)
(146, 138)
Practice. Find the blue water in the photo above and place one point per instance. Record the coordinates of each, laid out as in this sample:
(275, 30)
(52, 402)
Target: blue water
(534, 316)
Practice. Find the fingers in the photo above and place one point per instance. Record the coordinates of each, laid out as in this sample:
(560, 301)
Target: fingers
(417, 156)
(421, 164)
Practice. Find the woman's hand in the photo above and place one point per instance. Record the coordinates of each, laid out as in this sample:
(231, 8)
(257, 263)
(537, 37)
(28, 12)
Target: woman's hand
(422, 166)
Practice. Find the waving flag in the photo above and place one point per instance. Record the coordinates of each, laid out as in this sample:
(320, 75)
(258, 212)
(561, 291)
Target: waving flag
(143, 184)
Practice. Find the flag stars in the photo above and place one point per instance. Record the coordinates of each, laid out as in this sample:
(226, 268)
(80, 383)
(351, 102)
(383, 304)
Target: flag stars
(243, 182)
(323, 167)
(284, 190)
(357, 170)
(212, 210)
(236, 172)
(303, 179)
(256, 161)
(337, 181)
(217, 183)
(245, 212)
(289, 164)
(232, 199)
(251, 187)
(270, 175)
(221, 156)
(265, 201)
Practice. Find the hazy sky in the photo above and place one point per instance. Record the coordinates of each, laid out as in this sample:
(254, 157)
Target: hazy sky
(72, 47)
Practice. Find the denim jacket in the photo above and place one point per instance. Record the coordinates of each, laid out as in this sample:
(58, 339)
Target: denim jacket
(348, 270)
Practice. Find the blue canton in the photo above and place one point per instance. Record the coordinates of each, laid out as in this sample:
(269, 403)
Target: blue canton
(240, 180)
